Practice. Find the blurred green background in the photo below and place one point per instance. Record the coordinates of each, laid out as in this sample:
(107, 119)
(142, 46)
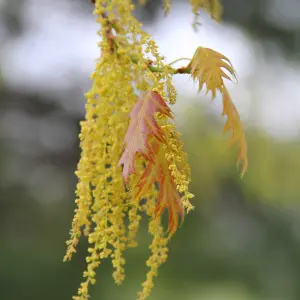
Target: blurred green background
(242, 242)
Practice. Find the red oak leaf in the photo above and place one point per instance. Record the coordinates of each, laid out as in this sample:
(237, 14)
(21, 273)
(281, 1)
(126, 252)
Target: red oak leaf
(234, 124)
(157, 170)
(208, 67)
(142, 125)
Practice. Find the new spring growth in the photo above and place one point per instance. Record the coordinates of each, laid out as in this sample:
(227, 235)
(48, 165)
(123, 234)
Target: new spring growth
(130, 147)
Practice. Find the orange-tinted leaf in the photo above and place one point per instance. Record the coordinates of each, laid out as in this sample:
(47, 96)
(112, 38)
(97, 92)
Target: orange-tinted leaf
(142, 125)
(158, 171)
(207, 66)
(234, 123)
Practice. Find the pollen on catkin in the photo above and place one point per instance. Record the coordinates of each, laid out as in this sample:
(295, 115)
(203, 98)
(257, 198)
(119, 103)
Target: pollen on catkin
(103, 201)
(131, 149)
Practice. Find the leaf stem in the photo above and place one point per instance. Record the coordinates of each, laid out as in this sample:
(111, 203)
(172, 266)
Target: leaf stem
(179, 59)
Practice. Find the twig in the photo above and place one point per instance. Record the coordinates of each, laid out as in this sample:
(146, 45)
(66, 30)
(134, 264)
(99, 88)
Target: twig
(114, 45)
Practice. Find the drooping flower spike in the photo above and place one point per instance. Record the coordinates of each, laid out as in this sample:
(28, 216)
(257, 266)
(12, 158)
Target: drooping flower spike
(130, 147)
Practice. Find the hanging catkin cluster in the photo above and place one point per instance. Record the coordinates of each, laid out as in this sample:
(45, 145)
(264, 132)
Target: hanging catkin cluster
(130, 148)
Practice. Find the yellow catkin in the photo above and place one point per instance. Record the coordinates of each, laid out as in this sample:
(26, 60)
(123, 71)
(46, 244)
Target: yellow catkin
(177, 160)
(129, 65)
(103, 202)
(159, 255)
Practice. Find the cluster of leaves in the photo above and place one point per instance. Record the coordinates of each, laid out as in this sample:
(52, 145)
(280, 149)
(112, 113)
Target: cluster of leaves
(146, 138)
(131, 150)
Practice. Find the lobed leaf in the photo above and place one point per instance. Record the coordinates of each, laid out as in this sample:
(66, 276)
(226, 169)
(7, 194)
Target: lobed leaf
(207, 67)
(234, 124)
(158, 171)
(142, 125)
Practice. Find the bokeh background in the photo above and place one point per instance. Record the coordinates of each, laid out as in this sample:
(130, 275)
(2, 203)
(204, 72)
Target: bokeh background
(243, 240)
